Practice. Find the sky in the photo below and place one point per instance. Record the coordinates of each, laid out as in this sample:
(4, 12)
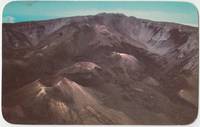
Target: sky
(178, 12)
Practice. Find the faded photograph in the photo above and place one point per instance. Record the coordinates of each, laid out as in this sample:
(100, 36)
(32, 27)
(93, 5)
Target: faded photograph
(110, 63)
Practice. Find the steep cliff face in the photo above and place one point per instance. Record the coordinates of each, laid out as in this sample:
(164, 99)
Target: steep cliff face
(135, 71)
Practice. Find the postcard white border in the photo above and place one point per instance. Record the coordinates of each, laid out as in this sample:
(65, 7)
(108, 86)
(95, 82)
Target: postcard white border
(4, 123)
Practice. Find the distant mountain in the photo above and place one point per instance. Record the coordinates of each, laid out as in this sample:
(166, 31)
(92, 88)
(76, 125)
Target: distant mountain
(102, 69)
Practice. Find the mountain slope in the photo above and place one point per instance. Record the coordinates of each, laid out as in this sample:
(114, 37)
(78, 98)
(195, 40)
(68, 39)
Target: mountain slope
(64, 102)
(132, 71)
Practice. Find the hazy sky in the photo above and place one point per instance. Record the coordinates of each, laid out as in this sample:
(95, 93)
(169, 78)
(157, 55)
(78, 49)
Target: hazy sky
(179, 12)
